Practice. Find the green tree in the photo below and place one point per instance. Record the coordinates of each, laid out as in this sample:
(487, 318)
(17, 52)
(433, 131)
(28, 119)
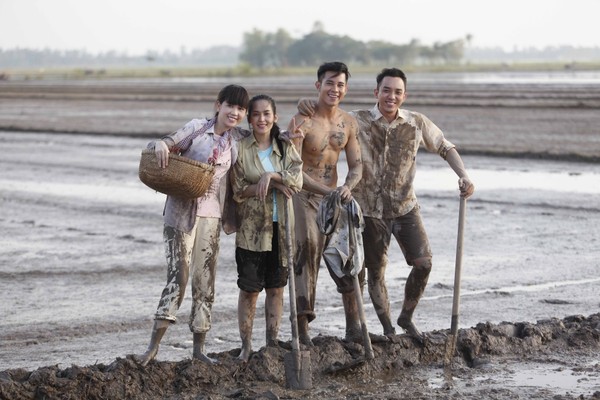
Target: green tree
(263, 49)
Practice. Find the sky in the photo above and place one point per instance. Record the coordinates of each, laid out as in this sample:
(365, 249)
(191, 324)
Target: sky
(137, 26)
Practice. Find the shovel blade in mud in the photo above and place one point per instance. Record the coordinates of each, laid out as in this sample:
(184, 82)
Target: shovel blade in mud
(298, 371)
(449, 351)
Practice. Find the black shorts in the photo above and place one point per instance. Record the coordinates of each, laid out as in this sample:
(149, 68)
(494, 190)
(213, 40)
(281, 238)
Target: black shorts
(258, 270)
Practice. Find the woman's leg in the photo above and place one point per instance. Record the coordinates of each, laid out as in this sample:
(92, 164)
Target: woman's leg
(178, 247)
(204, 264)
(246, 313)
(273, 314)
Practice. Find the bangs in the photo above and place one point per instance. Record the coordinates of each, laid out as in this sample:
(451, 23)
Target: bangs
(235, 95)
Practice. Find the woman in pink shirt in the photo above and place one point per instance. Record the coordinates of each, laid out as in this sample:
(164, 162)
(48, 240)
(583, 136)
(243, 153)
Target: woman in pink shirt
(192, 226)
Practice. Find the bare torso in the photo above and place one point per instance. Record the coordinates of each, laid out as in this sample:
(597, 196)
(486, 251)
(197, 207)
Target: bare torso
(323, 142)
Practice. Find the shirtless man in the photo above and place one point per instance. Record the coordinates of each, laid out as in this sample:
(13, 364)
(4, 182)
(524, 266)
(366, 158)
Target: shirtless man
(390, 138)
(326, 134)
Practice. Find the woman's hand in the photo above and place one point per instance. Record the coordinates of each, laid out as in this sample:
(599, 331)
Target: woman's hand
(262, 187)
(162, 153)
(287, 191)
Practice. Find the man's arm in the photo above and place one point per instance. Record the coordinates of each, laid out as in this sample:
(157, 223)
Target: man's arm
(354, 160)
(464, 182)
(308, 183)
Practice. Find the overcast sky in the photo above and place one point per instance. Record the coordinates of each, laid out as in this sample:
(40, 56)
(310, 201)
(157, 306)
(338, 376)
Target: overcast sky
(135, 26)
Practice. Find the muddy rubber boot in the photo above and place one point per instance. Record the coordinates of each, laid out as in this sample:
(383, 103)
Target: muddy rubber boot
(158, 331)
(353, 328)
(198, 353)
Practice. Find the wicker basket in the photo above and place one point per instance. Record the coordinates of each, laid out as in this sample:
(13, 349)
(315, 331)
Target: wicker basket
(183, 177)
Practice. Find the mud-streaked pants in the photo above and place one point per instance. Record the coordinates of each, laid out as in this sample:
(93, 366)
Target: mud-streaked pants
(195, 252)
(310, 243)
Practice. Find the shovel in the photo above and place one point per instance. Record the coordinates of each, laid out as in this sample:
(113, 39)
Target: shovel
(451, 341)
(369, 355)
(298, 373)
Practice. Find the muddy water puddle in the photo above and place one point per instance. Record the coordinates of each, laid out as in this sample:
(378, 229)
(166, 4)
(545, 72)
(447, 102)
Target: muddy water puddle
(536, 377)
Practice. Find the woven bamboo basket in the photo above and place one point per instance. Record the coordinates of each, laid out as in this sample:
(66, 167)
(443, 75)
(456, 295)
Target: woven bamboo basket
(183, 177)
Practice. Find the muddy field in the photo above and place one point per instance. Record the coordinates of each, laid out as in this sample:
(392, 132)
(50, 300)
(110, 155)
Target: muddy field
(82, 265)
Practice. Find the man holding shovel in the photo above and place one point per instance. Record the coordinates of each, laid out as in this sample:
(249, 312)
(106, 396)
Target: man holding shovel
(390, 138)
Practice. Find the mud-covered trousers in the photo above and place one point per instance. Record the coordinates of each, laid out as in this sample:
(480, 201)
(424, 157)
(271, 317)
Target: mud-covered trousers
(310, 243)
(195, 252)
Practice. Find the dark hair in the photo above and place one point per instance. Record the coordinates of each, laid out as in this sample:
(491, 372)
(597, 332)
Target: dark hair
(275, 130)
(235, 95)
(334, 66)
(394, 73)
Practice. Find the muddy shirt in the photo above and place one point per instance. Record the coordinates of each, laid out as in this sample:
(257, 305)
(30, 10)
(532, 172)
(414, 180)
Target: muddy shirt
(256, 216)
(181, 213)
(389, 154)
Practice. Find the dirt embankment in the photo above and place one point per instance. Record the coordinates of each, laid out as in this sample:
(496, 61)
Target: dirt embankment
(400, 369)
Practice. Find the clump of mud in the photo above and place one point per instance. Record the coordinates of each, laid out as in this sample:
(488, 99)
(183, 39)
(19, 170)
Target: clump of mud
(339, 370)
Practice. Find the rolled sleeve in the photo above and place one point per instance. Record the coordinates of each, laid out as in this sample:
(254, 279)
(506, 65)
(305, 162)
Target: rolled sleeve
(238, 182)
(433, 137)
(291, 175)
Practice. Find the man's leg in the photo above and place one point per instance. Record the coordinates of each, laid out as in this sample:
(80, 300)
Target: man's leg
(413, 291)
(309, 248)
(353, 326)
(376, 239)
(410, 234)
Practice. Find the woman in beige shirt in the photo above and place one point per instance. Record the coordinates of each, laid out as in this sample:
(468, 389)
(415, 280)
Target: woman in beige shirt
(267, 173)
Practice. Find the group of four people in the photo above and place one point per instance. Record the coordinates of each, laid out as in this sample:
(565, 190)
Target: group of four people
(266, 168)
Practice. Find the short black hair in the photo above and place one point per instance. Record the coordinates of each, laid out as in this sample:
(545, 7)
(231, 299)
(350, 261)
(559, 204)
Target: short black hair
(333, 66)
(394, 73)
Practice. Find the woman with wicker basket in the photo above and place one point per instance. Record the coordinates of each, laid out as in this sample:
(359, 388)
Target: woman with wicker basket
(268, 171)
(192, 225)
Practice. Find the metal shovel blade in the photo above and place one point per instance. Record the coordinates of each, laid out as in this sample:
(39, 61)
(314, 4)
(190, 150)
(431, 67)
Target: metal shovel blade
(298, 372)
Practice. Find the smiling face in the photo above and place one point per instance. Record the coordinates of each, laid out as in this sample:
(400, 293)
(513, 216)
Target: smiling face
(390, 94)
(332, 88)
(262, 117)
(229, 115)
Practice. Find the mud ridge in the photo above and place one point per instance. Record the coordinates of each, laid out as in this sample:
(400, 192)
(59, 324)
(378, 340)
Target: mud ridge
(338, 367)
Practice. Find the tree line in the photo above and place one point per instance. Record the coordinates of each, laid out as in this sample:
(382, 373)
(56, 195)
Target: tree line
(262, 50)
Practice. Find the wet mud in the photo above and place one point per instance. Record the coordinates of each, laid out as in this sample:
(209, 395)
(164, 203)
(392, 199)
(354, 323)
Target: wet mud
(401, 369)
(82, 258)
